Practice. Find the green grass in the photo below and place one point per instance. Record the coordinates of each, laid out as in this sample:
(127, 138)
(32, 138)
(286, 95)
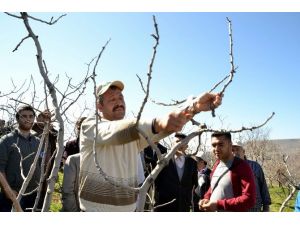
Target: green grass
(56, 196)
(278, 195)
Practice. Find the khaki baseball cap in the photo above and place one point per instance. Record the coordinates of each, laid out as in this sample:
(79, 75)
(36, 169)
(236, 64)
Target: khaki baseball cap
(102, 88)
(237, 143)
(201, 156)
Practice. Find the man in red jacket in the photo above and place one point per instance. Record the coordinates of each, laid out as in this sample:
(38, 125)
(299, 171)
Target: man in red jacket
(232, 182)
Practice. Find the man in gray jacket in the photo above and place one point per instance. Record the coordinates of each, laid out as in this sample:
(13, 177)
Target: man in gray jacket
(70, 199)
(19, 147)
(263, 200)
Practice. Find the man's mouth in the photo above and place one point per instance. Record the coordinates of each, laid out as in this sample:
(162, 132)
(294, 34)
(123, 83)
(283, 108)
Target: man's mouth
(118, 108)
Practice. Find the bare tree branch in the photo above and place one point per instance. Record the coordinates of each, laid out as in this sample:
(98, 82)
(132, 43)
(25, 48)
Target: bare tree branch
(21, 158)
(31, 170)
(52, 92)
(167, 203)
(254, 127)
(51, 22)
(153, 146)
(13, 15)
(99, 56)
(174, 102)
(156, 37)
(292, 184)
(220, 82)
(290, 196)
(19, 44)
(15, 89)
(77, 88)
(230, 76)
(43, 173)
(232, 72)
(6, 189)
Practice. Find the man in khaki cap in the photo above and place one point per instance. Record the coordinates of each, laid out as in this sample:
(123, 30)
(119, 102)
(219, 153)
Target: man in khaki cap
(117, 146)
(203, 173)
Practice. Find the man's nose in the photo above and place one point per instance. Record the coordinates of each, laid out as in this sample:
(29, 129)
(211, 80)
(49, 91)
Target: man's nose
(119, 103)
(27, 118)
(217, 147)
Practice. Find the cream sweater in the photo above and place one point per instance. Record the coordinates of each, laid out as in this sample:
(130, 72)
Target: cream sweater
(117, 146)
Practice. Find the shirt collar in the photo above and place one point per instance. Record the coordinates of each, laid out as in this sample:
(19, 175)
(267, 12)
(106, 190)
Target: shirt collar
(17, 132)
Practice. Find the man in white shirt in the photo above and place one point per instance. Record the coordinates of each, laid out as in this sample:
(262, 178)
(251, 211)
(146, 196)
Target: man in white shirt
(175, 183)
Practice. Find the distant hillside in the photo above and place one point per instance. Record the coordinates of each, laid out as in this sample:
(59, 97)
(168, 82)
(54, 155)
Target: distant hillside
(287, 145)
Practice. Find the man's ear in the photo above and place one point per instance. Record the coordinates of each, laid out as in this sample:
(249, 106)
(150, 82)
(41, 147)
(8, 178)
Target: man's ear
(99, 106)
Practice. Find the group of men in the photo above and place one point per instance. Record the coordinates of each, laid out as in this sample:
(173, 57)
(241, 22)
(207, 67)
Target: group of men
(234, 184)
(115, 144)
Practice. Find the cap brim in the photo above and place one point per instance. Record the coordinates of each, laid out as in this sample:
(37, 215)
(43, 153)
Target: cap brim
(116, 83)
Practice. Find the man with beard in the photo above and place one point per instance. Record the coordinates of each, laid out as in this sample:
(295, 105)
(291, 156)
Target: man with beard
(117, 145)
(17, 145)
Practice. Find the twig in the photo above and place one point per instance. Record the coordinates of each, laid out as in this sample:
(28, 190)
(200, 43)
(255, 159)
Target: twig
(99, 56)
(167, 203)
(156, 37)
(232, 72)
(216, 85)
(175, 102)
(254, 127)
(51, 22)
(10, 14)
(14, 87)
(19, 44)
(80, 85)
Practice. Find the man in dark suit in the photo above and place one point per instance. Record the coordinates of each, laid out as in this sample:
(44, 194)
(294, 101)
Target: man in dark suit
(150, 157)
(174, 185)
(203, 178)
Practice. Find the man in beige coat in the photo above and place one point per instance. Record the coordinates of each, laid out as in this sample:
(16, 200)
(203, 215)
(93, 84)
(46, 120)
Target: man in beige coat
(117, 145)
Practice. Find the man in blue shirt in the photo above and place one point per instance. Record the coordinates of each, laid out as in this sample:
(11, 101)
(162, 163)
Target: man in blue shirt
(263, 200)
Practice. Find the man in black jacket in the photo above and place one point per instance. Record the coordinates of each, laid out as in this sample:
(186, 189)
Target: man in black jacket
(174, 185)
(203, 179)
